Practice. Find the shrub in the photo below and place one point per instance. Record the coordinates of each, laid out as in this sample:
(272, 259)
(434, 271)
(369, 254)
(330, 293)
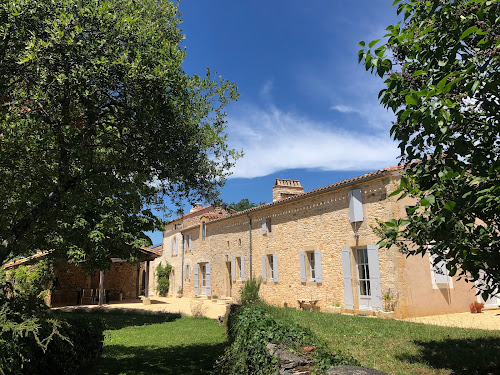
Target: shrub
(249, 292)
(251, 328)
(32, 339)
(163, 278)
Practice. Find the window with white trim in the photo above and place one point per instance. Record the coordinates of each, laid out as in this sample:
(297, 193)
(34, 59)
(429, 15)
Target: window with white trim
(240, 268)
(310, 266)
(273, 267)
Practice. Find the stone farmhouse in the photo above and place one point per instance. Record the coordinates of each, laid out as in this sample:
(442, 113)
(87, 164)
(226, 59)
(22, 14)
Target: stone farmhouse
(313, 247)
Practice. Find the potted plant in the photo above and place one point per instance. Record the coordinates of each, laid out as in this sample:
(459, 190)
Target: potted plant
(215, 297)
(179, 293)
(476, 307)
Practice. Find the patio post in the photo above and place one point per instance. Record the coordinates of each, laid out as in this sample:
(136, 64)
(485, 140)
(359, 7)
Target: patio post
(101, 287)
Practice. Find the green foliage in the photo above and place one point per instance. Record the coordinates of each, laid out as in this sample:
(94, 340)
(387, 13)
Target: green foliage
(163, 278)
(99, 122)
(30, 284)
(252, 327)
(249, 292)
(444, 92)
(243, 205)
(32, 340)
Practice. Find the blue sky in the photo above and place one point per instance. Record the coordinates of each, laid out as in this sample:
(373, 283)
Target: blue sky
(307, 110)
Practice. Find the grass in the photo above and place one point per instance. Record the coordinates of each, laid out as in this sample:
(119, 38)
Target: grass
(138, 343)
(403, 348)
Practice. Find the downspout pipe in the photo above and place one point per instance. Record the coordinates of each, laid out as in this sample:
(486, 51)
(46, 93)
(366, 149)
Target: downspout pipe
(250, 243)
(182, 262)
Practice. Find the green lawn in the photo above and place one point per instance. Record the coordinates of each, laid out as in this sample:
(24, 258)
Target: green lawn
(158, 344)
(174, 344)
(404, 348)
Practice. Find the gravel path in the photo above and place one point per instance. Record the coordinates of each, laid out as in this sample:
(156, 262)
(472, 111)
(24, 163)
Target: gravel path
(488, 319)
(182, 305)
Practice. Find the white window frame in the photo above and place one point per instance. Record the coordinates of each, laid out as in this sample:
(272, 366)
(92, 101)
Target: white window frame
(448, 285)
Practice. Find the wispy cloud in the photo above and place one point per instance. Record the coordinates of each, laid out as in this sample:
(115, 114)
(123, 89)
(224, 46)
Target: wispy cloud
(344, 109)
(265, 91)
(275, 140)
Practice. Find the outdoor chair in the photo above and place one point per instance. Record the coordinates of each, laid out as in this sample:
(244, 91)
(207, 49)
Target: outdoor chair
(87, 294)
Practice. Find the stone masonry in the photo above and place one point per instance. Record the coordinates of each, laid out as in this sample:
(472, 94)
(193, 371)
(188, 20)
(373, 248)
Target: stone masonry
(279, 233)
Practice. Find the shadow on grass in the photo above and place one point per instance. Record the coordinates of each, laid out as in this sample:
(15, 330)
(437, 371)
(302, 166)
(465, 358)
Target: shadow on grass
(191, 359)
(117, 319)
(462, 356)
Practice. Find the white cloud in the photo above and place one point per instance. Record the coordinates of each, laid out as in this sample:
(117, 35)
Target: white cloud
(344, 109)
(265, 91)
(273, 140)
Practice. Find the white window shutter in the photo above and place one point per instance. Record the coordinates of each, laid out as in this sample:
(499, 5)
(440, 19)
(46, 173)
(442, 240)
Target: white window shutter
(242, 269)
(196, 279)
(185, 244)
(355, 206)
(374, 270)
(233, 269)
(347, 277)
(317, 264)
(264, 226)
(208, 279)
(264, 262)
(190, 242)
(176, 246)
(275, 267)
(302, 258)
(172, 247)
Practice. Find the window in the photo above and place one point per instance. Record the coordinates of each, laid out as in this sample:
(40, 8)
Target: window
(310, 266)
(203, 231)
(363, 272)
(173, 246)
(240, 268)
(270, 267)
(177, 226)
(266, 225)
(187, 273)
(439, 273)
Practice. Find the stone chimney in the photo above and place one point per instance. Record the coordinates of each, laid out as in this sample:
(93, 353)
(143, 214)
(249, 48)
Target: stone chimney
(283, 189)
(196, 207)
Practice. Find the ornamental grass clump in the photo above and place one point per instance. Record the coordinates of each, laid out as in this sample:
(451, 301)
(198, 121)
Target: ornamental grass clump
(249, 292)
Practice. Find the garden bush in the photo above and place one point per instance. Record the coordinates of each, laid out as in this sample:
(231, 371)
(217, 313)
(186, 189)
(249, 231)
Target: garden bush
(34, 340)
(252, 327)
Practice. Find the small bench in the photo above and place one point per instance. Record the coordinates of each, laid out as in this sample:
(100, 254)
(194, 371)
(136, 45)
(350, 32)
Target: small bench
(305, 301)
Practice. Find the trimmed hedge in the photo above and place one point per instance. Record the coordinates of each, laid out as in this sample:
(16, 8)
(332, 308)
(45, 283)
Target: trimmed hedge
(251, 327)
(79, 341)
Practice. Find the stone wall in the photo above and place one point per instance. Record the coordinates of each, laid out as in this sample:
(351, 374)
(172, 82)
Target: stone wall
(120, 278)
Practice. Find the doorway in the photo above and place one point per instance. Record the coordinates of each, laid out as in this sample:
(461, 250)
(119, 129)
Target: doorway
(203, 271)
(229, 277)
(143, 283)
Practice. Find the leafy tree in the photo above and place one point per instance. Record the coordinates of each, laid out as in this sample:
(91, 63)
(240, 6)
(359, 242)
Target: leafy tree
(243, 205)
(98, 120)
(442, 69)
